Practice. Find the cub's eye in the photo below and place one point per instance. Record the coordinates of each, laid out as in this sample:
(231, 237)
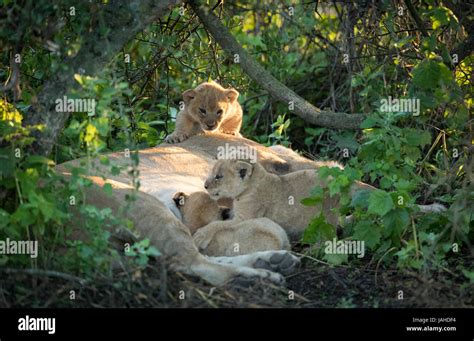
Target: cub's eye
(202, 111)
(218, 176)
(219, 112)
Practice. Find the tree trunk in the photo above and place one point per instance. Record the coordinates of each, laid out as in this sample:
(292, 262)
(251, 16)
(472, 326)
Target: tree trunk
(123, 20)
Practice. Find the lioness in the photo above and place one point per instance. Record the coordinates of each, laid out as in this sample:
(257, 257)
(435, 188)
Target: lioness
(207, 108)
(258, 193)
(167, 169)
(216, 237)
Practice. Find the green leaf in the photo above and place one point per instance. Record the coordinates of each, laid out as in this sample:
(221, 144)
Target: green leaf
(380, 202)
(336, 186)
(395, 221)
(7, 162)
(153, 252)
(104, 160)
(37, 159)
(115, 170)
(336, 258)
(428, 74)
(385, 182)
(317, 193)
(369, 122)
(310, 201)
(440, 17)
(108, 189)
(4, 218)
(102, 124)
(404, 185)
(416, 137)
(314, 131)
(360, 199)
(318, 230)
(469, 275)
(367, 231)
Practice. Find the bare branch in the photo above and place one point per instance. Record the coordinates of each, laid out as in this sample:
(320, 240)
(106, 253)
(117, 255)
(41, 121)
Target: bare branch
(414, 14)
(275, 88)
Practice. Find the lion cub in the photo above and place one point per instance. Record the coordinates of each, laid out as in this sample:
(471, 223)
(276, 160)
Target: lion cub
(258, 193)
(208, 108)
(214, 235)
(199, 209)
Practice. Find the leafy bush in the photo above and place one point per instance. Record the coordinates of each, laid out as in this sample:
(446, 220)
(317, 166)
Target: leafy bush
(411, 159)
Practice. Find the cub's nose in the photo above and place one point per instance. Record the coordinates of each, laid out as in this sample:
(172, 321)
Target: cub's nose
(206, 185)
(211, 126)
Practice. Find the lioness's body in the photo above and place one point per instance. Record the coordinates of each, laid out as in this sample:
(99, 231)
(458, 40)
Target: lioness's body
(165, 170)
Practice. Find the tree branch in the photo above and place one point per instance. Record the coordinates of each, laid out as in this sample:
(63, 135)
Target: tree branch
(463, 12)
(275, 88)
(414, 14)
(124, 19)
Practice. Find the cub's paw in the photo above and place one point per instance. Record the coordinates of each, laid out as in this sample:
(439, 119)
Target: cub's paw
(176, 138)
(233, 133)
(280, 261)
(202, 238)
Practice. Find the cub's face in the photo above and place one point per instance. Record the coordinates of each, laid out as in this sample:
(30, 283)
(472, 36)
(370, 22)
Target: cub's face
(198, 209)
(209, 104)
(229, 179)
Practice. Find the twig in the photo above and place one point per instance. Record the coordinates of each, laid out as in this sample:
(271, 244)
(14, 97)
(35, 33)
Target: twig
(414, 14)
(415, 239)
(278, 90)
(46, 273)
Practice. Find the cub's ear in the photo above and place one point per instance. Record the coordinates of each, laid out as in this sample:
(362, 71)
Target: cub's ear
(179, 198)
(276, 166)
(244, 169)
(188, 95)
(231, 95)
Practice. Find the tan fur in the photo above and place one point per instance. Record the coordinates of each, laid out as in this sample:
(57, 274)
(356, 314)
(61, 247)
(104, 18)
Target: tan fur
(230, 238)
(208, 108)
(163, 171)
(198, 209)
(199, 212)
(258, 193)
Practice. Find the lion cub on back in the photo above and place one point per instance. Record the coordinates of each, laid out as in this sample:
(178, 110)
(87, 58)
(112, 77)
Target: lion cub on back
(214, 235)
(208, 108)
(258, 193)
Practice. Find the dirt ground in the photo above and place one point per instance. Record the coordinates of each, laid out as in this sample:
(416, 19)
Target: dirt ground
(314, 285)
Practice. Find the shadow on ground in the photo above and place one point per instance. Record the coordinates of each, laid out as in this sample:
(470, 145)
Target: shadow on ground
(314, 285)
